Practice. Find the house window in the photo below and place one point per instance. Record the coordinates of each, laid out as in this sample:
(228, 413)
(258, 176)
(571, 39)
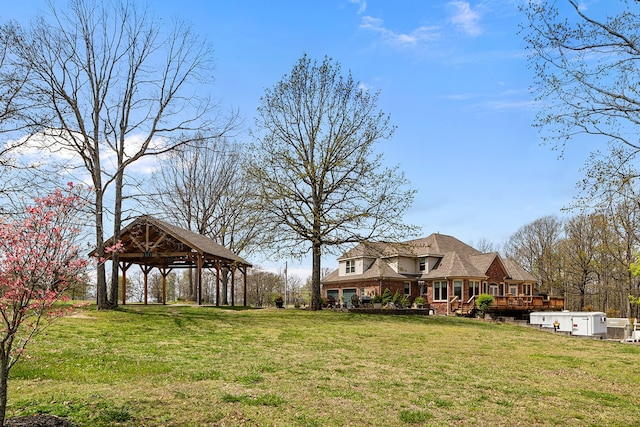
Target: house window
(421, 284)
(513, 289)
(422, 264)
(474, 288)
(526, 289)
(351, 267)
(440, 291)
(407, 288)
(457, 289)
(493, 290)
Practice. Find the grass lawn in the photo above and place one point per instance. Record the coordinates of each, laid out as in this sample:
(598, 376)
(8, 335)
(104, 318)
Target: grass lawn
(200, 366)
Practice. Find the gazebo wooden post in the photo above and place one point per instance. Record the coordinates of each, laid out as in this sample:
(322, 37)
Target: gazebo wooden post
(124, 267)
(233, 285)
(164, 289)
(244, 296)
(199, 278)
(217, 282)
(146, 270)
(165, 272)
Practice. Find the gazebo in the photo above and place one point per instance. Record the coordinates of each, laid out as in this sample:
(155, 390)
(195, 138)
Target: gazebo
(151, 243)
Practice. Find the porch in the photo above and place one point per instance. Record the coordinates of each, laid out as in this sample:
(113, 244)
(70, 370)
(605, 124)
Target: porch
(510, 303)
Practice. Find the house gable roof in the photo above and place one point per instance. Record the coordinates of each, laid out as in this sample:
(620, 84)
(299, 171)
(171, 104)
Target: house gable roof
(454, 264)
(435, 244)
(516, 272)
(379, 269)
(440, 244)
(455, 259)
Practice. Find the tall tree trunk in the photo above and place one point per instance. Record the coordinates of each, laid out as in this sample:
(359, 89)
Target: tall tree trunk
(101, 279)
(316, 302)
(4, 375)
(117, 227)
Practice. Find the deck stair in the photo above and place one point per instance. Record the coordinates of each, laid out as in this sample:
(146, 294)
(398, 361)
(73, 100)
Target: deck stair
(462, 308)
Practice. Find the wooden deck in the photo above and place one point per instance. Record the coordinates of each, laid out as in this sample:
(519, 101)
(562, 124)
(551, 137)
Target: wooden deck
(527, 303)
(511, 304)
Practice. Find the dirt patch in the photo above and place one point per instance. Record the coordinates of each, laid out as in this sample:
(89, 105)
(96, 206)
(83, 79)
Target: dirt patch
(37, 421)
(80, 315)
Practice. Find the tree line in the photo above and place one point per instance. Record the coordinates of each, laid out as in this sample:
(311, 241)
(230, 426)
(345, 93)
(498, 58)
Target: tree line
(585, 258)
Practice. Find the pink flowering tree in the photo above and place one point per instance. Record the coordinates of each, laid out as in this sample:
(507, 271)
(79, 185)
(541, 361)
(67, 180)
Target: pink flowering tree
(38, 261)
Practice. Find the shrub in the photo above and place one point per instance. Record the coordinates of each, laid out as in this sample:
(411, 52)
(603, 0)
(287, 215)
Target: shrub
(400, 300)
(355, 300)
(386, 296)
(483, 302)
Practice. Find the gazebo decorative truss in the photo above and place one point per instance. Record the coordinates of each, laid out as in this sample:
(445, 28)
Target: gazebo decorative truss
(151, 243)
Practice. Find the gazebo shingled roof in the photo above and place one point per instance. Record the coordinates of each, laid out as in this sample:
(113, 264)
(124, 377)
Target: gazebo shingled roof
(153, 243)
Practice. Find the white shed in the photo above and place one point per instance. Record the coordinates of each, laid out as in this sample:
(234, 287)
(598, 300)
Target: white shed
(581, 323)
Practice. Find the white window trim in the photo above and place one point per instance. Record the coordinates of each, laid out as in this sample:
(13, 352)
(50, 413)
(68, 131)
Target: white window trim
(350, 266)
(474, 288)
(440, 286)
(461, 287)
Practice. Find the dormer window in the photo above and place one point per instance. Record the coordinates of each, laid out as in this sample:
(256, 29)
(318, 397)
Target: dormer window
(422, 264)
(351, 267)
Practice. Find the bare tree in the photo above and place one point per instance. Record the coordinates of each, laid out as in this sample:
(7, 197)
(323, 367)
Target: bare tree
(586, 66)
(321, 184)
(204, 189)
(262, 286)
(623, 219)
(14, 117)
(581, 250)
(484, 245)
(121, 85)
(534, 246)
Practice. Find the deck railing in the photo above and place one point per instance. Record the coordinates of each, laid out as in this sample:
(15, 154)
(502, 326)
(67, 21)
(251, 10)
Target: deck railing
(527, 302)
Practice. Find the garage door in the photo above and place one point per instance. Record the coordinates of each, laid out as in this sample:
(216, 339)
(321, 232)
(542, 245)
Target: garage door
(347, 294)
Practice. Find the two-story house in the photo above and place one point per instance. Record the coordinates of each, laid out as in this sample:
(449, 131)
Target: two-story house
(448, 273)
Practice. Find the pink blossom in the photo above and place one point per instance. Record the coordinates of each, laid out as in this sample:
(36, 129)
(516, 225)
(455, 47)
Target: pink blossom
(37, 262)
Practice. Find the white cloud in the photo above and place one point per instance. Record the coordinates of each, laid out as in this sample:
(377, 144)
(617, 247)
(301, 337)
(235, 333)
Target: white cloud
(511, 99)
(48, 150)
(361, 3)
(466, 18)
(420, 35)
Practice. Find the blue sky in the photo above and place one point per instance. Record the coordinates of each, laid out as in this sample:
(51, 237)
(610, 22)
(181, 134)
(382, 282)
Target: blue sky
(453, 76)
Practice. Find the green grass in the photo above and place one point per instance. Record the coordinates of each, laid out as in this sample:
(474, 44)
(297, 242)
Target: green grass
(198, 366)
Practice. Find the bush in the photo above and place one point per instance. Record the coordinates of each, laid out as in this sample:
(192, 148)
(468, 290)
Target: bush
(386, 296)
(483, 302)
(355, 301)
(400, 300)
